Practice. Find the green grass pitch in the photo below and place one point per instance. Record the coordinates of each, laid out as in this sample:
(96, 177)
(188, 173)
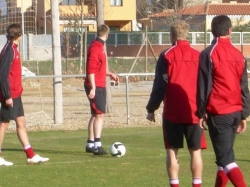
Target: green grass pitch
(142, 166)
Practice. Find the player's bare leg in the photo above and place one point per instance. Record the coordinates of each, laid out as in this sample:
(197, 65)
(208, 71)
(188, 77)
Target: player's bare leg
(21, 131)
(3, 128)
(196, 166)
(90, 140)
(98, 124)
(91, 127)
(32, 158)
(172, 166)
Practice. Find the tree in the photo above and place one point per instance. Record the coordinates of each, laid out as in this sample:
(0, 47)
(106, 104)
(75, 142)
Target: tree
(81, 34)
(66, 49)
(76, 24)
(241, 26)
(146, 7)
(172, 8)
(100, 12)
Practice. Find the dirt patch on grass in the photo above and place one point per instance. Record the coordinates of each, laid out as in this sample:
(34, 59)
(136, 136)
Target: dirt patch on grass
(39, 105)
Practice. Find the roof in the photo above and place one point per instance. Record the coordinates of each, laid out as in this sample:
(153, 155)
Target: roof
(208, 9)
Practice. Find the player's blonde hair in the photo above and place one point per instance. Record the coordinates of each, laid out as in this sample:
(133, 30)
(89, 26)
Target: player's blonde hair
(179, 30)
(102, 30)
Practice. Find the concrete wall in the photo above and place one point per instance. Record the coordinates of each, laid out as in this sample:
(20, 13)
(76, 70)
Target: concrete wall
(132, 50)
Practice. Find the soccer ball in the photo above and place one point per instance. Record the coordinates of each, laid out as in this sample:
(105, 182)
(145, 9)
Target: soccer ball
(117, 149)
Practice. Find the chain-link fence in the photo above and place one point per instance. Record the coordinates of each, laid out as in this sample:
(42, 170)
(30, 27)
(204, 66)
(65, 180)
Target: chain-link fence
(39, 47)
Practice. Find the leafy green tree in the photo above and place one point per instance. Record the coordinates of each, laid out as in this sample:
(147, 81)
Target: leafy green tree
(242, 28)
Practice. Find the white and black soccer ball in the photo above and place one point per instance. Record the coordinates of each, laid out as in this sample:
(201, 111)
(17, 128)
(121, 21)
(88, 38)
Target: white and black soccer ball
(117, 149)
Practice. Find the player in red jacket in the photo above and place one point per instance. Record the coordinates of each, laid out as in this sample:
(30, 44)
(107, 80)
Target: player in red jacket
(176, 83)
(223, 98)
(95, 87)
(10, 94)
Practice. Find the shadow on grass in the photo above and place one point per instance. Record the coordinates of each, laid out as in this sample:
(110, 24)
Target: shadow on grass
(63, 152)
(242, 160)
(49, 151)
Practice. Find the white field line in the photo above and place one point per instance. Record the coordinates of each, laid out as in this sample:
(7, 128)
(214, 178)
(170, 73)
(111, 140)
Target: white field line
(53, 162)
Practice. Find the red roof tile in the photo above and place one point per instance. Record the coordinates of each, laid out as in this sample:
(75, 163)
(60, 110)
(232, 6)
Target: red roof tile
(209, 9)
(229, 9)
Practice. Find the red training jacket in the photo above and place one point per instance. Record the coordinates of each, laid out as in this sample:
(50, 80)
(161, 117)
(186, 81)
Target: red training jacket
(10, 72)
(223, 80)
(96, 63)
(175, 82)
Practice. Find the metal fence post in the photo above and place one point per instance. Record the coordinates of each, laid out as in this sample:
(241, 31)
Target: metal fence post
(127, 100)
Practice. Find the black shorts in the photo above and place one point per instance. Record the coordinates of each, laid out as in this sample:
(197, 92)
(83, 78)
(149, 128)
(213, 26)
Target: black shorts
(222, 131)
(173, 134)
(98, 103)
(11, 113)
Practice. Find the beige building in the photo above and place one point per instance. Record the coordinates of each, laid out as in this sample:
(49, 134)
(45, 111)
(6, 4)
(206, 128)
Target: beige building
(120, 15)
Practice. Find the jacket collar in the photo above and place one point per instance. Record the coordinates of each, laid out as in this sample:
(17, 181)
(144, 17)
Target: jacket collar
(12, 43)
(221, 40)
(182, 42)
(100, 40)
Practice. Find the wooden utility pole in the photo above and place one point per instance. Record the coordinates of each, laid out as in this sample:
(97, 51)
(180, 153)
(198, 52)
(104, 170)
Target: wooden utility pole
(57, 67)
(100, 12)
(81, 34)
(100, 20)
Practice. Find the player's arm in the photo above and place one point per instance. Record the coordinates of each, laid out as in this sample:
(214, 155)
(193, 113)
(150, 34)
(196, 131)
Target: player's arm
(91, 78)
(92, 67)
(5, 63)
(159, 87)
(245, 101)
(245, 94)
(204, 85)
(112, 76)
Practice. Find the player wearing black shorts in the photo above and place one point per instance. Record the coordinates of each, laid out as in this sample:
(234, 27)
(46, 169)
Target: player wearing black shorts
(98, 103)
(223, 99)
(95, 88)
(174, 134)
(10, 95)
(11, 113)
(175, 84)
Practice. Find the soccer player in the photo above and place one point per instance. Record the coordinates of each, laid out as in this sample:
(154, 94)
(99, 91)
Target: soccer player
(176, 83)
(223, 99)
(95, 88)
(10, 94)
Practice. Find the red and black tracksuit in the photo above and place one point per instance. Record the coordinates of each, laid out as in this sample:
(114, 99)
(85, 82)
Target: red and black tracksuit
(223, 80)
(10, 66)
(175, 84)
(224, 96)
(96, 63)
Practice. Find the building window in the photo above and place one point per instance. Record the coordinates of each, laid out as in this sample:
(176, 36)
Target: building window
(68, 2)
(116, 2)
(114, 28)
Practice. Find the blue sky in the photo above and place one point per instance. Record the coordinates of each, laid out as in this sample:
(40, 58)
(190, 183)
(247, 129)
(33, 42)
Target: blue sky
(3, 7)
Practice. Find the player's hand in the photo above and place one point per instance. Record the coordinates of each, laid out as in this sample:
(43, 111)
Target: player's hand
(242, 127)
(114, 77)
(202, 123)
(151, 117)
(91, 94)
(9, 102)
